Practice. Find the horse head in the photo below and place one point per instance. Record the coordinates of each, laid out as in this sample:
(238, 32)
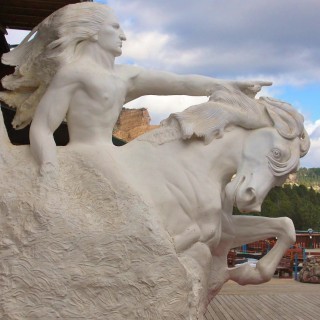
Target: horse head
(266, 161)
(269, 155)
(274, 142)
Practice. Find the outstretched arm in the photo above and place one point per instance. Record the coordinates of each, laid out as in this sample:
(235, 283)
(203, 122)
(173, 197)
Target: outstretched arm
(49, 114)
(152, 82)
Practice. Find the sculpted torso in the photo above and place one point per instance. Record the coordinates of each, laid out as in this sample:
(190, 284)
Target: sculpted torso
(96, 104)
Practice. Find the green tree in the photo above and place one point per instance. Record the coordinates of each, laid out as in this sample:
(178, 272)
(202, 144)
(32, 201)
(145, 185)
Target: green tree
(297, 202)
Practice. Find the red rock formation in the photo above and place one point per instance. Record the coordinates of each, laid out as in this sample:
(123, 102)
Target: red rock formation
(132, 123)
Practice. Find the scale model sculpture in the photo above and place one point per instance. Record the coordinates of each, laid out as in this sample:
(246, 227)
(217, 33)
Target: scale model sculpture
(94, 231)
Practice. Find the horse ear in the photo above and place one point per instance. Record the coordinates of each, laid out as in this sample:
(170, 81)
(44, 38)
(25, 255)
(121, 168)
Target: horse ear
(284, 124)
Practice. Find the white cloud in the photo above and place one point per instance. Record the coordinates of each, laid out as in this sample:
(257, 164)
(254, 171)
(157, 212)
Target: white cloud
(233, 38)
(145, 45)
(313, 128)
(156, 50)
(312, 159)
(16, 36)
(316, 132)
(160, 107)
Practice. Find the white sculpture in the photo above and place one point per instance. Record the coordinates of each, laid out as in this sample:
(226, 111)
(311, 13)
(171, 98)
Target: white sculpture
(69, 66)
(142, 231)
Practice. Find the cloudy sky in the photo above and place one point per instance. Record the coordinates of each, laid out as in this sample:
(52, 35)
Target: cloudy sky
(235, 39)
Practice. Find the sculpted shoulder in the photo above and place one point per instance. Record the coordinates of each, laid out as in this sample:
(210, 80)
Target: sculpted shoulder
(72, 73)
(130, 76)
(127, 72)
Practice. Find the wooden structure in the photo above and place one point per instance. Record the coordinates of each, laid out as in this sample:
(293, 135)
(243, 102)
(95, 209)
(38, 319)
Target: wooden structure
(304, 240)
(277, 299)
(26, 14)
(307, 243)
(285, 268)
(308, 240)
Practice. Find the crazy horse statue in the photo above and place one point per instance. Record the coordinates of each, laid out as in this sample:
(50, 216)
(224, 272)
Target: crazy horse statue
(94, 231)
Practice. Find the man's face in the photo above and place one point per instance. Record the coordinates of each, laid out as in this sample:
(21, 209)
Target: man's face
(110, 35)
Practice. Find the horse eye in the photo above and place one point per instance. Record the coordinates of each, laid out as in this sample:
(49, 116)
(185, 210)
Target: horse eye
(276, 153)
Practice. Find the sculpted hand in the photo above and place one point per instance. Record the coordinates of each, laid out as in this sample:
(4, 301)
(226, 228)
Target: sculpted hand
(250, 88)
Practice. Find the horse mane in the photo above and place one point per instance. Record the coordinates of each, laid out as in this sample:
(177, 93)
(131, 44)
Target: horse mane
(226, 108)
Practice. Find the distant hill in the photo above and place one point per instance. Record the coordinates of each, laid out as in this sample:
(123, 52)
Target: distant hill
(307, 177)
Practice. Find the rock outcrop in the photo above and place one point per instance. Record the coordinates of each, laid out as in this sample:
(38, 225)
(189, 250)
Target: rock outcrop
(132, 123)
(311, 270)
(74, 248)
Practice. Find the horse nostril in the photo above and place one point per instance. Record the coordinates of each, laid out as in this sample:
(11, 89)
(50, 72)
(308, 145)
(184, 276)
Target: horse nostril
(250, 194)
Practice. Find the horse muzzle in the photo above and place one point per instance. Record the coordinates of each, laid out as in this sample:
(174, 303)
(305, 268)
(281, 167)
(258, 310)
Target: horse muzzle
(244, 195)
(246, 200)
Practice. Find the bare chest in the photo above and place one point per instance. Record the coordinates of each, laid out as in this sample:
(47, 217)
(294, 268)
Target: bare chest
(106, 88)
(99, 99)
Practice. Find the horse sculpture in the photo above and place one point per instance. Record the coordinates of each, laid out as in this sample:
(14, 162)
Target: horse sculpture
(195, 183)
(154, 243)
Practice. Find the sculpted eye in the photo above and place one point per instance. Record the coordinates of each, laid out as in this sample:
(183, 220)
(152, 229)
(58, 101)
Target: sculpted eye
(276, 153)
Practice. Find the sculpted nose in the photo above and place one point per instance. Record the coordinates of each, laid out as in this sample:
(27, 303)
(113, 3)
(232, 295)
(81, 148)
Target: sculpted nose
(122, 35)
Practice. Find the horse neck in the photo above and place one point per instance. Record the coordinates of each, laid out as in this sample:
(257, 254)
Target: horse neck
(219, 159)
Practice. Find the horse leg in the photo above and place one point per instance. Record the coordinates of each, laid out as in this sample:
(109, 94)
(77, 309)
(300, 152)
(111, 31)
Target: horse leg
(249, 229)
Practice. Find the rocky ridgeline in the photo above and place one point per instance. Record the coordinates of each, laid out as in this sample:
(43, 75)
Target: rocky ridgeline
(310, 271)
(132, 123)
(293, 179)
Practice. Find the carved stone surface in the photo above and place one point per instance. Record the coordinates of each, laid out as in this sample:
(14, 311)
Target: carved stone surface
(140, 231)
(310, 271)
(80, 249)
